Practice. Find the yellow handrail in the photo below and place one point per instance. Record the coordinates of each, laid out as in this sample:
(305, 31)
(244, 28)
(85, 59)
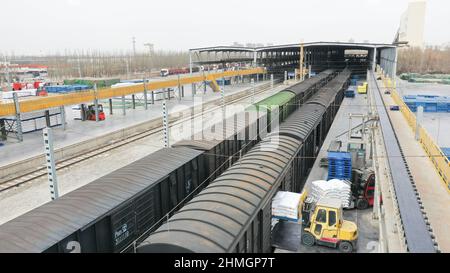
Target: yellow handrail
(42, 103)
(434, 152)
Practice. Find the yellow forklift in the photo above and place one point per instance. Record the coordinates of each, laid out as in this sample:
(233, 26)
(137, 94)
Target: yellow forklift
(323, 224)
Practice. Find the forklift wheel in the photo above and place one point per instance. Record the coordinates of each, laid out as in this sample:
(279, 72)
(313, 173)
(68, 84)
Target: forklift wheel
(362, 204)
(308, 239)
(346, 247)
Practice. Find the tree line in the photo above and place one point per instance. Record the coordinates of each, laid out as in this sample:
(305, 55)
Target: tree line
(96, 63)
(431, 60)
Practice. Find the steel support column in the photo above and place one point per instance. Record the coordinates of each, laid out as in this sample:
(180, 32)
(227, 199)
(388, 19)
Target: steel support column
(165, 124)
(97, 119)
(110, 107)
(63, 117)
(3, 134)
(50, 162)
(124, 111)
(145, 95)
(18, 120)
(47, 118)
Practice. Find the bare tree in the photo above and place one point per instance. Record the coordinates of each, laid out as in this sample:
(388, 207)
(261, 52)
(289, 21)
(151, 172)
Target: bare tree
(96, 63)
(431, 60)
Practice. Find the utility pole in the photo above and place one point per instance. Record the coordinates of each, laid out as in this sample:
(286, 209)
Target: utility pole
(150, 50)
(134, 46)
(301, 63)
(133, 63)
(8, 80)
(79, 66)
(128, 67)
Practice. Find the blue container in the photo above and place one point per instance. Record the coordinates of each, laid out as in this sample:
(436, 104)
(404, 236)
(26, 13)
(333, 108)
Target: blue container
(430, 107)
(339, 165)
(66, 88)
(349, 93)
(446, 152)
(430, 103)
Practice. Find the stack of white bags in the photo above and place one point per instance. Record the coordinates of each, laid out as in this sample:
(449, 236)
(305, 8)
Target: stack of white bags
(285, 205)
(8, 95)
(335, 188)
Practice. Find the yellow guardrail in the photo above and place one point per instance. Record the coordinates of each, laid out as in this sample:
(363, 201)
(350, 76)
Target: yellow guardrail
(434, 152)
(42, 103)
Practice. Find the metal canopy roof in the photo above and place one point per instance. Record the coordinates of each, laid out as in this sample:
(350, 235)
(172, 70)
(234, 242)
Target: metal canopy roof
(293, 46)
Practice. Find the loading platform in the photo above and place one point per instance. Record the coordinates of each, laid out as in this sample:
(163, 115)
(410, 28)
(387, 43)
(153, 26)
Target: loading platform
(433, 193)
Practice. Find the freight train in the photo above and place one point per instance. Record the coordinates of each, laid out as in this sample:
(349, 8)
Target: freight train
(119, 210)
(287, 101)
(175, 71)
(233, 214)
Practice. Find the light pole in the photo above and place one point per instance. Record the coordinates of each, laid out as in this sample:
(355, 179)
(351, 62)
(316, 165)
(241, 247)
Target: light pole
(151, 49)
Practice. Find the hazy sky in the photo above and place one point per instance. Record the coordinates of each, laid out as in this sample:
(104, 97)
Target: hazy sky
(31, 26)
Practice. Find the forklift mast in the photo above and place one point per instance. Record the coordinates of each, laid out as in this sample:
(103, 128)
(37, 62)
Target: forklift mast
(307, 209)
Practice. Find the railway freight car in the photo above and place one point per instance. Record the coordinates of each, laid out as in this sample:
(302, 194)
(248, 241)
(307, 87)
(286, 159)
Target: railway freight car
(112, 212)
(107, 214)
(287, 101)
(331, 97)
(304, 90)
(304, 125)
(226, 141)
(117, 210)
(310, 125)
(233, 214)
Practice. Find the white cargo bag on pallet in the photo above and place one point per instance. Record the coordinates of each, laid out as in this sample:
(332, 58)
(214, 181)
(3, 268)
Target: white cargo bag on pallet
(335, 188)
(285, 206)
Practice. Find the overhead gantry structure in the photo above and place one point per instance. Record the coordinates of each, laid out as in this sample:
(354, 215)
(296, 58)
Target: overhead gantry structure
(44, 103)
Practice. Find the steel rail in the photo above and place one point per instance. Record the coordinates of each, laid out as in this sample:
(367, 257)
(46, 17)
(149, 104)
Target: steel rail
(77, 159)
(43, 103)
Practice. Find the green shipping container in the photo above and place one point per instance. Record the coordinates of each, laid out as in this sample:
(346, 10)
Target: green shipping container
(101, 83)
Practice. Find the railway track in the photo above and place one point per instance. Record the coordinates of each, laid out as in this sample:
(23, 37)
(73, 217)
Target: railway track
(78, 159)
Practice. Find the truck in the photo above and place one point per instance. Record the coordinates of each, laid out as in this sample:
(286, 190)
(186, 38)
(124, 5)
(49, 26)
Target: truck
(164, 72)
